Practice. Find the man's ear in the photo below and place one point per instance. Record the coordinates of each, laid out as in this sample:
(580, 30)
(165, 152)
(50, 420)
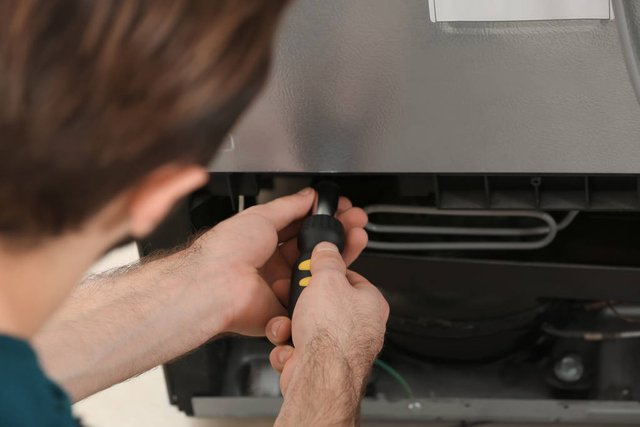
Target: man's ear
(154, 196)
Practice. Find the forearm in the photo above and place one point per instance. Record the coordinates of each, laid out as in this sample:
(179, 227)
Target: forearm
(326, 387)
(121, 324)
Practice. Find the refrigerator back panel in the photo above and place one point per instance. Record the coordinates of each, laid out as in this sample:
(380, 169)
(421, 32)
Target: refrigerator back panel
(376, 86)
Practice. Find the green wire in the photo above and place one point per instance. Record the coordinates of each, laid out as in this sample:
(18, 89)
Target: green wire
(396, 376)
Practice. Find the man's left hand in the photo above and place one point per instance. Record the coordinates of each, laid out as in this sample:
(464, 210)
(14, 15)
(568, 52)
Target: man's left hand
(244, 263)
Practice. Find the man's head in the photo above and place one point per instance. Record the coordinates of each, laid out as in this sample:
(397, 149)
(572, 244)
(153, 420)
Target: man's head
(119, 100)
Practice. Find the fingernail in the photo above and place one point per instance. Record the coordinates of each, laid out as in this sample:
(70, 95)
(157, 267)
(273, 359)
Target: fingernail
(326, 246)
(305, 191)
(275, 328)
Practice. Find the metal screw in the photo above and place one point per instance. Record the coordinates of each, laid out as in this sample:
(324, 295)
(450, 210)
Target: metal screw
(569, 369)
(415, 406)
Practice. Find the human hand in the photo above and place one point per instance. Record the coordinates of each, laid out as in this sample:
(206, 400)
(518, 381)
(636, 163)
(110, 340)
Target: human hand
(244, 263)
(339, 309)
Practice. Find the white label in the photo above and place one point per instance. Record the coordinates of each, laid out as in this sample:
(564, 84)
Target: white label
(517, 10)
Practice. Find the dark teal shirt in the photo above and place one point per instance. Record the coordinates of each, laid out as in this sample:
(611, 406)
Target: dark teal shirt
(27, 397)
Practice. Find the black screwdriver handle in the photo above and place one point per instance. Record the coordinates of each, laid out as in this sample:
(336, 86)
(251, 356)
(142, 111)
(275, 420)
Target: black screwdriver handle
(319, 227)
(315, 229)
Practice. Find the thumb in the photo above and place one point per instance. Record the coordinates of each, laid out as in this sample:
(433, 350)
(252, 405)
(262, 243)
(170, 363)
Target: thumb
(326, 257)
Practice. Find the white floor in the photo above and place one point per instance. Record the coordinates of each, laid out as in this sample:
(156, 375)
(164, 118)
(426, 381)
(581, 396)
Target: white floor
(142, 401)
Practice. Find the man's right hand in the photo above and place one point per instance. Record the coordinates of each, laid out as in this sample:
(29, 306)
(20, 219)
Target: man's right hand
(338, 330)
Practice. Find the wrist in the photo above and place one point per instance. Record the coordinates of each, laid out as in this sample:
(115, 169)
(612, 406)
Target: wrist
(198, 294)
(355, 355)
(355, 350)
(327, 385)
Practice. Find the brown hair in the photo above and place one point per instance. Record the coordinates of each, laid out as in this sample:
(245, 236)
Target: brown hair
(96, 94)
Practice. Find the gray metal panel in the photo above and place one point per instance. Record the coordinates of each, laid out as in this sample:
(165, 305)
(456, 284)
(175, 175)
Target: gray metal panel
(374, 86)
(449, 410)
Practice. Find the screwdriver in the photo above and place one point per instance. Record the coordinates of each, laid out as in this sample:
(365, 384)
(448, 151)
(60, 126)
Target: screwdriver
(320, 226)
